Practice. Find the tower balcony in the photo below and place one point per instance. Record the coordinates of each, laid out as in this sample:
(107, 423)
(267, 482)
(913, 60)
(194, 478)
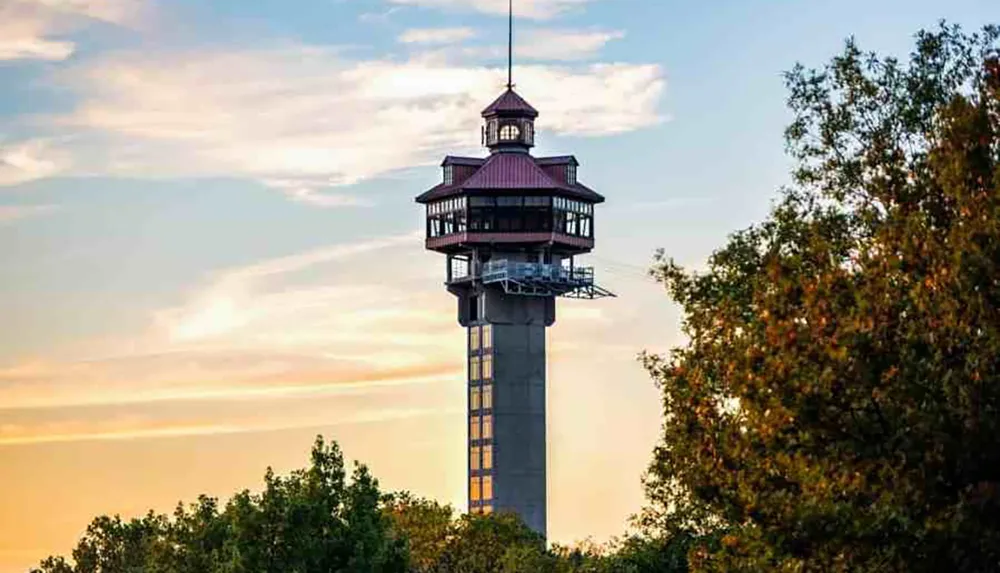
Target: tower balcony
(536, 279)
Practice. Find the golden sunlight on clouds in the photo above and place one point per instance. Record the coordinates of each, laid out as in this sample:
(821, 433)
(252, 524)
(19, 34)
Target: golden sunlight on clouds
(248, 365)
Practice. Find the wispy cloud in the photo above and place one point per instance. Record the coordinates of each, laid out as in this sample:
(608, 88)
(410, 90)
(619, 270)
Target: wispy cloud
(9, 213)
(27, 160)
(138, 428)
(29, 28)
(310, 120)
(436, 35)
(553, 44)
(316, 322)
(535, 9)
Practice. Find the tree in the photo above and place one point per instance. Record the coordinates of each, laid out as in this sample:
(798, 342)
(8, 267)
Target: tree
(314, 520)
(425, 525)
(498, 543)
(837, 406)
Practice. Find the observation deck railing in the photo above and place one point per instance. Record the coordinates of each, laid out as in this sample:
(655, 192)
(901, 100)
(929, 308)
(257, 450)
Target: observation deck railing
(542, 279)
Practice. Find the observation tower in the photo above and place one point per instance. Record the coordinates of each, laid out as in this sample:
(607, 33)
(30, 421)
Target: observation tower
(510, 226)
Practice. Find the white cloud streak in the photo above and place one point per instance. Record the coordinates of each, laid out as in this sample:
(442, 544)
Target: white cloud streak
(28, 160)
(304, 120)
(534, 9)
(27, 27)
(566, 45)
(436, 35)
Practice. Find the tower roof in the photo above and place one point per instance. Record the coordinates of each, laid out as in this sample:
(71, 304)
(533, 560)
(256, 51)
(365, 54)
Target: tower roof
(510, 103)
(508, 172)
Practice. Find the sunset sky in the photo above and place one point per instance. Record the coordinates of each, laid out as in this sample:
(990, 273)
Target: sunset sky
(209, 250)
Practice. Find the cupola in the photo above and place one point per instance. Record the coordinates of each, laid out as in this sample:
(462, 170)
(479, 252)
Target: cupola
(509, 124)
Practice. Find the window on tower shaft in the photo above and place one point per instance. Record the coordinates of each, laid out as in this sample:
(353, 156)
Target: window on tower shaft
(474, 464)
(485, 397)
(487, 457)
(474, 372)
(487, 492)
(487, 373)
(474, 339)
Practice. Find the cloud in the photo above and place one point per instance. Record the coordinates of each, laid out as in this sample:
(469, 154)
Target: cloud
(27, 26)
(551, 44)
(23, 161)
(305, 192)
(310, 120)
(436, 35)
(139, 428)
(534, 9)
(9, 213)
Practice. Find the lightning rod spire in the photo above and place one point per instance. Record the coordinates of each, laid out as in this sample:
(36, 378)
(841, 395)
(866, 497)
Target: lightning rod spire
(510, 48)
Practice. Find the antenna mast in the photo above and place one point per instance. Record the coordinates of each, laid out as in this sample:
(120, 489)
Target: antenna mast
(510, 48)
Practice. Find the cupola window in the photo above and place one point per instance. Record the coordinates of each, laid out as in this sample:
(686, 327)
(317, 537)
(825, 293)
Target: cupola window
(510, 132)
(571, 174)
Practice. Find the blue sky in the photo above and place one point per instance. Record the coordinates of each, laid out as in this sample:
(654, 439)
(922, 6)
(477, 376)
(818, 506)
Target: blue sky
(207, 243)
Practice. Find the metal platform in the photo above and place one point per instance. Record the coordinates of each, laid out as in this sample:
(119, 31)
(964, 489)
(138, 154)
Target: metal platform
(540, 279)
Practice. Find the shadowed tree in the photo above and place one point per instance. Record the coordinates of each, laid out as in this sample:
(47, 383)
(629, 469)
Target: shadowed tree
(837, 406)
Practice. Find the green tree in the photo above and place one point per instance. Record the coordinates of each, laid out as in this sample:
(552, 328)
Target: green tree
(425, 525)
(837, 406)
(498, 543)
(314, 520)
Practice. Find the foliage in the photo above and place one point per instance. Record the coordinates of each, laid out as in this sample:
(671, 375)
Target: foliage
(837, 406)
(425, 524)
(313, 520)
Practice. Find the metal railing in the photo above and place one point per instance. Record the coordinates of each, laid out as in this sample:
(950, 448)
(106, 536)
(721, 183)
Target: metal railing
(503, 270)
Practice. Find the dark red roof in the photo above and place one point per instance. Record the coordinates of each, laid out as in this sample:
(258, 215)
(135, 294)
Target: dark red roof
(510, 103)
(512, 172)
(465, 161)
(561, 160)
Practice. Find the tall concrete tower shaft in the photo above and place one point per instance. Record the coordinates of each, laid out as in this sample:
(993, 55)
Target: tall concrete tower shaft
(510, 226)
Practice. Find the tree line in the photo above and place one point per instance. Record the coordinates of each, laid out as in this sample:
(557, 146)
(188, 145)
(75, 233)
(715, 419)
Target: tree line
(836, 406)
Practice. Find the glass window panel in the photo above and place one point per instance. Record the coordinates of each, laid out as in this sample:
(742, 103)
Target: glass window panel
(487, 336)
(487, 488)
(474, 428)
(474, 458)
(474, 368)
(474, 399)
(475, 494)
(474, 338)
(488, 367)
(487, 427)
(487, 457)
(487, 397)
